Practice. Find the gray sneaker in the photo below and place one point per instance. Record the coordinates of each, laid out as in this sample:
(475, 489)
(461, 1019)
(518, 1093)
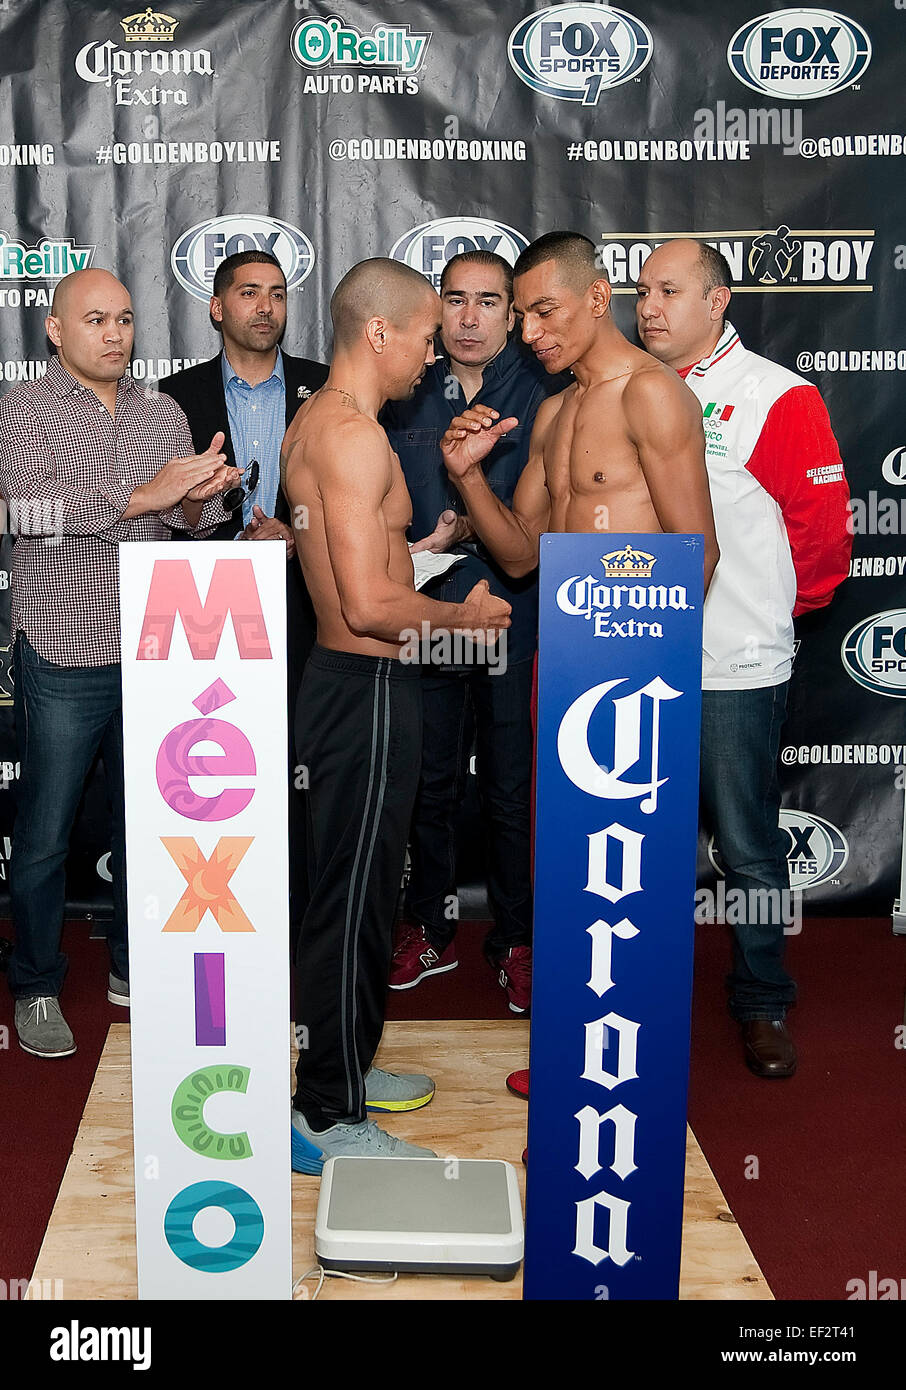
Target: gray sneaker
(42, 1029)
(117, 990)
(385, 1090)
(365, 1140)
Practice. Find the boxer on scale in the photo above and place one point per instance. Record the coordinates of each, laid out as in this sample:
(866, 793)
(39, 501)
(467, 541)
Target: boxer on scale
(359, 716)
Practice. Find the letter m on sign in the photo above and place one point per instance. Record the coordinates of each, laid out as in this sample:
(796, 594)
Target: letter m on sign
(232, 590)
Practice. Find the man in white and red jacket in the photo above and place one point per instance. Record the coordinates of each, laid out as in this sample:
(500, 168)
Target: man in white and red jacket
(780, 502)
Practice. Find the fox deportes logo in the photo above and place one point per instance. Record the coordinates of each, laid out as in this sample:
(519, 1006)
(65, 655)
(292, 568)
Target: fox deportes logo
(199, 251)
(428, 247)
(874, 653)
(799, 54)
(816, 851)
(575, 52)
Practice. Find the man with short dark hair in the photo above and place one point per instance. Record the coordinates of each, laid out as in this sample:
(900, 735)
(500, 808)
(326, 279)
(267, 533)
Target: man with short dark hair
(619, 450)
(476, 292)
(86, 460)
(251, 390)
(780, 507)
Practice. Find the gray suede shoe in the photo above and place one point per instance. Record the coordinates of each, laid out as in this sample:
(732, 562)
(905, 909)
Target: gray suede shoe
(42, 1029)
(117, 990)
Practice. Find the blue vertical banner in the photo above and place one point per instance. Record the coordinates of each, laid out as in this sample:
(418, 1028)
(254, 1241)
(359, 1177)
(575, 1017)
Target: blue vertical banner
(619, 709)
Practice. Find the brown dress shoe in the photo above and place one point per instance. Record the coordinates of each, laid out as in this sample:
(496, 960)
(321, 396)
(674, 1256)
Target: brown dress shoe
(769, 1047)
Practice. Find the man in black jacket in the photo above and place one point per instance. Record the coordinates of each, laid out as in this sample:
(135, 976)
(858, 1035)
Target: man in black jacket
(251, 390)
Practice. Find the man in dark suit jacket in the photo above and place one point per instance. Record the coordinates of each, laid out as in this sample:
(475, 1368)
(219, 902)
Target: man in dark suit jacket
(251, 390)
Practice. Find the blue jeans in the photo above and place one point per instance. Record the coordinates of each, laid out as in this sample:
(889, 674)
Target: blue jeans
(65, 715)
(500, 706)
(740, 796)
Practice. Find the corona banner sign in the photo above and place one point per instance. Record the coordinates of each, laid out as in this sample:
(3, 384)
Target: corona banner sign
(616, 823)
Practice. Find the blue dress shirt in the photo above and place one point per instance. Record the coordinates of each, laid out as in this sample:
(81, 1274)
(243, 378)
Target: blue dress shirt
(257, 416)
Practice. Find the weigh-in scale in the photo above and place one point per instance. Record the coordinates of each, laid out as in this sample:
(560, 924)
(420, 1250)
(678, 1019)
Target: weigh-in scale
(423, 1215)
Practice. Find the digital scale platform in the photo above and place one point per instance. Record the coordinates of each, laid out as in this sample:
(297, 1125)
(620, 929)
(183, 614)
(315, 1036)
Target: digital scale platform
(421, 1215)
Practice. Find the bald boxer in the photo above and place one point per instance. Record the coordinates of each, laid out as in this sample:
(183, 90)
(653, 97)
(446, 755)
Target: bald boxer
(358, 726)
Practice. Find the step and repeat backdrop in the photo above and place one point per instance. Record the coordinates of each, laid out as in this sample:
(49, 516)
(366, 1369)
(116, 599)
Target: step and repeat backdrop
(155, 142)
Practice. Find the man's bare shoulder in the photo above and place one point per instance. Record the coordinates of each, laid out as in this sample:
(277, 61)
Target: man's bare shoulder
(335, 443)
(550, 408)
(654, 388)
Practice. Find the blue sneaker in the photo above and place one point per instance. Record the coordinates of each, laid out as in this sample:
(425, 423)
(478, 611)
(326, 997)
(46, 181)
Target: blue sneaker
(310, 1149)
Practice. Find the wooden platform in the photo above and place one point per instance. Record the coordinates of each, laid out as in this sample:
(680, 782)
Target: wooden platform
(90, 1241)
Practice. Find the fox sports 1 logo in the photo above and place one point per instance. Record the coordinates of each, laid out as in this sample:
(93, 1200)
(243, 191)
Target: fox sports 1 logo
(799, 54)
(575, 52)
(428, 247)
(199, 251)
(874, 653)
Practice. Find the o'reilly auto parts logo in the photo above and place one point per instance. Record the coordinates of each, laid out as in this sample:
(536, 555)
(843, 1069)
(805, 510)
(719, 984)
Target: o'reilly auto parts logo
(575, 52)
(874, 653)
(799, 54)
(199, 251)
(816, 852)
(428, 247)
(386, 59)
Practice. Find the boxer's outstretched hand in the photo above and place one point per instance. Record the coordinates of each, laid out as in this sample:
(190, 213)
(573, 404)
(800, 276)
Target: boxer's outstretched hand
(491, 614)
(471, 436)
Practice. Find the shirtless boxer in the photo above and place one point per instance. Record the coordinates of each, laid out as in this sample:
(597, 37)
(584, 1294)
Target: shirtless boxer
(622, 449)
(358, 721)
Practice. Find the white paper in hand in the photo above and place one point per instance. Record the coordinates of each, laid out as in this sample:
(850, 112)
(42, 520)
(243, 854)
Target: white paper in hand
(428, 564)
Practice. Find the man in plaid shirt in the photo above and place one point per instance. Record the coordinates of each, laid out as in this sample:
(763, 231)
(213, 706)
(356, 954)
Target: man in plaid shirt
(87, 460)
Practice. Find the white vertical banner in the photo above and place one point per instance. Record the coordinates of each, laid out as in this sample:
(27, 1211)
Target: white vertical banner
(204, 724)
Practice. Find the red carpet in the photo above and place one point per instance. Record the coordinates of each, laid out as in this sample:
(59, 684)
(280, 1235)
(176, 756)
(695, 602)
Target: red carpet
(42, 1101)
(829, 1202)
(827, 1206)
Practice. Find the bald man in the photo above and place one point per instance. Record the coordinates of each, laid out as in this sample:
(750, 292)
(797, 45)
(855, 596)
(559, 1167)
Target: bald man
(87, 460)
(781, 505)
(358, 726)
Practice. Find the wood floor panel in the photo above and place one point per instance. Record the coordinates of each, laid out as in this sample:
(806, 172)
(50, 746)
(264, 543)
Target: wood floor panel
(90, 1240)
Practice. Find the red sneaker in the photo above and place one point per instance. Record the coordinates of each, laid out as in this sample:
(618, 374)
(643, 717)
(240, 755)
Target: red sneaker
(517, 1082)
(414, 958)
(516, 977)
